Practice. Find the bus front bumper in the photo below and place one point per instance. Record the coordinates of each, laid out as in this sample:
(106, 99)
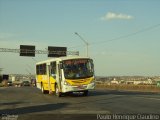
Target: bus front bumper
(68, 88)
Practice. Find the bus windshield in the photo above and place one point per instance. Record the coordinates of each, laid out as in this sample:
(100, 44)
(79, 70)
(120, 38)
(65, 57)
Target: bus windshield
(78, 68)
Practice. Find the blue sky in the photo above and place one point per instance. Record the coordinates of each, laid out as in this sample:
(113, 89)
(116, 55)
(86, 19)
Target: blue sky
(46, 23)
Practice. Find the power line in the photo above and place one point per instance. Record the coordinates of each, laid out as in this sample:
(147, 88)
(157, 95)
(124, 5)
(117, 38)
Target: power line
(128, 35)
(124, 36)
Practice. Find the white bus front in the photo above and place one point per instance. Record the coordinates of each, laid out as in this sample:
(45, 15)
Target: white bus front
(78, 75)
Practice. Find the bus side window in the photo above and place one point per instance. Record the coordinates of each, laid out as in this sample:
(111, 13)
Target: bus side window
(37, 69)
(53, 69)
(41, 69)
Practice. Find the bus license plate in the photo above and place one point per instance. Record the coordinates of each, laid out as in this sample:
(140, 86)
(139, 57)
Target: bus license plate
(81, 87)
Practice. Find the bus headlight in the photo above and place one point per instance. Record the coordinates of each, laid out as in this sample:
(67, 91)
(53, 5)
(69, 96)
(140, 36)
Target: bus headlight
(93, 81)
(66, 83)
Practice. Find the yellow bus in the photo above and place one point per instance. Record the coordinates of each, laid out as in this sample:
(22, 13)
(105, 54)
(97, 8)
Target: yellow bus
(65, 74)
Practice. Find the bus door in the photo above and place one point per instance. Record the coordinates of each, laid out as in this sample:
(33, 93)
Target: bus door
(59, 80)
(48, 77)
(53, 74)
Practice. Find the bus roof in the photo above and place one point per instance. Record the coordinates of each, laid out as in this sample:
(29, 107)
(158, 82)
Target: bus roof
(61, 59)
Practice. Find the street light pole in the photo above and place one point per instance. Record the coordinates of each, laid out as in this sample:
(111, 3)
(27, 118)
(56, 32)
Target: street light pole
(86, 43)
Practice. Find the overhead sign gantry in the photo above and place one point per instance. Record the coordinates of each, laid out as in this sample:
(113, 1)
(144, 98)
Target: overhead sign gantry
(27, 50)
(57, 51)
(30, 51)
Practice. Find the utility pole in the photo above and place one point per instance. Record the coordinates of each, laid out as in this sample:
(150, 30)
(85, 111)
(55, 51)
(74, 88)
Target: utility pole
(1, 69)
(86, 43)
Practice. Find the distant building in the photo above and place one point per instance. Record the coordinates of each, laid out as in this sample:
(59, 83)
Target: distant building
(143, 82)
(114, 81)
(13, 78)
(130, 82)
(137, 82)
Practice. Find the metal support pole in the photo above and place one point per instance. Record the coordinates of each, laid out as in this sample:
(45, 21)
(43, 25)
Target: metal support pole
(86, 43)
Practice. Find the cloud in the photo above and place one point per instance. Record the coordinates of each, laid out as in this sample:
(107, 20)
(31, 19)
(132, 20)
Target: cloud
(116, 16)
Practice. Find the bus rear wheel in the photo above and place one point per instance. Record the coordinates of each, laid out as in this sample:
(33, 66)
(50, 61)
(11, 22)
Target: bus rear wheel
(57, 92)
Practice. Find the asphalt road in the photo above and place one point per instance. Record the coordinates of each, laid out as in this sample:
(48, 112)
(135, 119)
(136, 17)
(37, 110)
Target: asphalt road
(30, 103)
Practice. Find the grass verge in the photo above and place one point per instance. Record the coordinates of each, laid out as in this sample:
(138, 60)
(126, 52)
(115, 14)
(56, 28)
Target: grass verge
(142, 88)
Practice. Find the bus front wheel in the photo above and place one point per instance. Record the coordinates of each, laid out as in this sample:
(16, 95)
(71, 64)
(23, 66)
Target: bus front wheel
(85, 93)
